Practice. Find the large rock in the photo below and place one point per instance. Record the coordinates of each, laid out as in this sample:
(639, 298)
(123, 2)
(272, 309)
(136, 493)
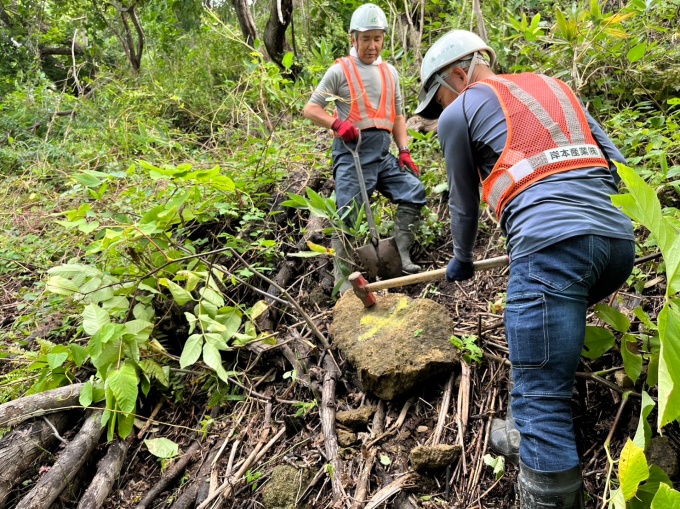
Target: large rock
(395, 345)
(283, 488)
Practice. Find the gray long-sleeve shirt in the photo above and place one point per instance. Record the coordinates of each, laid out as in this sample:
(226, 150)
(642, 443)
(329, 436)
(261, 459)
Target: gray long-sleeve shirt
(472, 132)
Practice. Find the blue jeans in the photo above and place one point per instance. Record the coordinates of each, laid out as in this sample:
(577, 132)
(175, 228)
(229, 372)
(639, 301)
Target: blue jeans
(381, 172)
(548, 294)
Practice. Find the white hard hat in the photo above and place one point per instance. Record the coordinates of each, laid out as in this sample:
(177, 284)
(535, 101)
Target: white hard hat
(368, 17)
(449, 48)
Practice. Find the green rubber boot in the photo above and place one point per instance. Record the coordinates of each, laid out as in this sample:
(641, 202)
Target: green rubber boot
(405, 225)
(342, 264)
(550, 490)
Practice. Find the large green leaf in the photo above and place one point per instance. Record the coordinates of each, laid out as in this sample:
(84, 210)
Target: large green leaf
(669, 360)
(642, 204)
(598, 341)
(613, 317)
(61, 286)
(162, 447)
(85, 397)
(191, 351)
(212, 357)
(637, 52)
(666, 498)
(632, 469)
(94, 318)
(632, 362)
(123, 384)
(180, 295)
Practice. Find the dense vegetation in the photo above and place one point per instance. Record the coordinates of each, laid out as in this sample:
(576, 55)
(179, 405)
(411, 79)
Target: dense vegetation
(146, 150)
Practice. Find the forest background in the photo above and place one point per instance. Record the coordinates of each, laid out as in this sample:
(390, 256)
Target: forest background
(151, 154)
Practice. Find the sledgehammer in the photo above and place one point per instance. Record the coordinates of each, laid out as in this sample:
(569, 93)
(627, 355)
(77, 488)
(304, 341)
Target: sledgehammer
(364, 290)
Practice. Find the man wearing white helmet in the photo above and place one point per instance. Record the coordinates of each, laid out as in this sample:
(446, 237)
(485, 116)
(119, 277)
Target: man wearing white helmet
(368, 99)
(546, 169)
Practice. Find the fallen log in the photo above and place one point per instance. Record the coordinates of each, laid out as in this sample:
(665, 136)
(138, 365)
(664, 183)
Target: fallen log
(19, 410)
(169, 476)
(67, 465)
(25, 444)
(330, 437)
(108, 470)
(190, 496)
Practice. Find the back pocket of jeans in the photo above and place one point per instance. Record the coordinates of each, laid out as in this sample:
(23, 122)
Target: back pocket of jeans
(525, 322)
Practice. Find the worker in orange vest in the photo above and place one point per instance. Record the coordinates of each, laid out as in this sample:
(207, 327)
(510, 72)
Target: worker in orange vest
(547, 171)
(367, 99)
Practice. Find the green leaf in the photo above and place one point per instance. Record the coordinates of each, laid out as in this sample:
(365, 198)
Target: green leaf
(669, 360)
(78, 354)
(497, 463)
(94, 318)
(385, 460)
(212, 296)
(55, 360)
(598, 341)
(287, 60)
(613, 317)
(666, 498)
(162, 447)
(632, 362)
(632, 469)
(258, 308)
(180, 295)
(61, 286)
(123, 384)
(136, 326)
(212, 357)
(642, 204)
(644, 430)
(125, 425)
(637, 52)
(305, 254)
(85, 397)
(191, 351)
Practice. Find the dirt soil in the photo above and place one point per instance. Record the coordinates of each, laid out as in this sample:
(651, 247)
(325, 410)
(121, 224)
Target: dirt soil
(269, 408)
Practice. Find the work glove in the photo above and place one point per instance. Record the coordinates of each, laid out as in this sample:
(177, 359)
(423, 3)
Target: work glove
(459, 271)
(405, 161)
(346, 130)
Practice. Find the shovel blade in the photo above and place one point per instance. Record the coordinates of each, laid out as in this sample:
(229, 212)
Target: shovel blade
(381, 261)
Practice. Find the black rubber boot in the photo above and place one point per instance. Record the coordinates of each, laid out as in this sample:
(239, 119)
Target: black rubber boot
(550, 490)
(405, 225)
(504, 438)
(342, 264)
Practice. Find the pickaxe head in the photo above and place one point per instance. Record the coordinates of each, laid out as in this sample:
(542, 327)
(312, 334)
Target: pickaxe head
(359, 284)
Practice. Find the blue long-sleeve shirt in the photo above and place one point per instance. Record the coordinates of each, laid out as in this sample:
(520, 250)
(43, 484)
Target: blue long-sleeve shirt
(472, 132)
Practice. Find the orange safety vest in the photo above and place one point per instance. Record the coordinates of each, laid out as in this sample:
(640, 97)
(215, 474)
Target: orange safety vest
(547, 133)
(362, 113)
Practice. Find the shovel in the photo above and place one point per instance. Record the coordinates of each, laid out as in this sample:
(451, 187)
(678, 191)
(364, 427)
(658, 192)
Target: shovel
(380, 258)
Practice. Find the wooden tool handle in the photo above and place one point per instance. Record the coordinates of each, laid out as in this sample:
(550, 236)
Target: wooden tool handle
(433, 275)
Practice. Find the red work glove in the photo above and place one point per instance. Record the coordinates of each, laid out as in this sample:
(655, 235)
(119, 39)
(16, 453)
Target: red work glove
(405, 160)
(346, 130)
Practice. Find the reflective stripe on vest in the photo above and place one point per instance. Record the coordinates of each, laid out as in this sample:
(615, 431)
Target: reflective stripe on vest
(362, 113)
(552, 135)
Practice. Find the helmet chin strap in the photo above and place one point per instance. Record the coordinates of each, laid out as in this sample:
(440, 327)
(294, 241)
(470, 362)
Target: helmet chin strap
(471, 69)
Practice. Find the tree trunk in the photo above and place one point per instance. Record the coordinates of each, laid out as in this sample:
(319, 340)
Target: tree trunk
(18, 410)
(245, 20)
(108, 470)
(65, 468)
(20, 448)
(280, 16)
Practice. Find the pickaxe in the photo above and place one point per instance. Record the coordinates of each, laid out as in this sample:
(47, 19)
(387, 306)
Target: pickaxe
(364, 290)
